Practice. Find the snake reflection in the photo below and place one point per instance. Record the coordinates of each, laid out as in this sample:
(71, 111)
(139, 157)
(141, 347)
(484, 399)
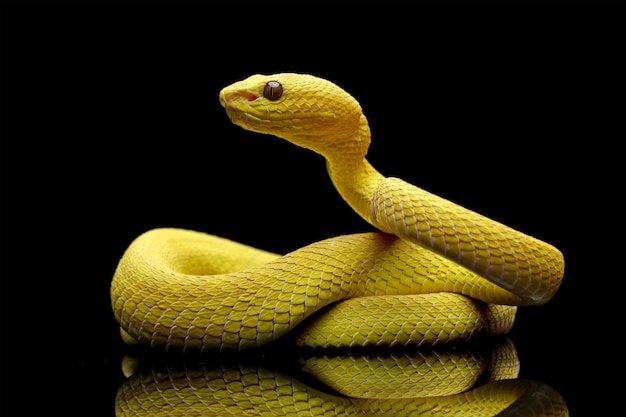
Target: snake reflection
(403, 383)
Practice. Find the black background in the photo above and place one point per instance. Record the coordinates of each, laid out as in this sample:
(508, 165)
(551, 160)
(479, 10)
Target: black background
(111, 126)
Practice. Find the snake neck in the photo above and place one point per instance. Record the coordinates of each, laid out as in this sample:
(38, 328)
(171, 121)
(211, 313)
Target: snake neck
(352, 175)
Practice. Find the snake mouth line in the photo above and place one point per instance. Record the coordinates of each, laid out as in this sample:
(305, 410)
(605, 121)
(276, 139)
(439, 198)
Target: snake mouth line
(236, 111)
(264, 123)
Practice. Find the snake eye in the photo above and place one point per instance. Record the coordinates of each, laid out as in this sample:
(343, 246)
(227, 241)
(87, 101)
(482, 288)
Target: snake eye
(273, 90)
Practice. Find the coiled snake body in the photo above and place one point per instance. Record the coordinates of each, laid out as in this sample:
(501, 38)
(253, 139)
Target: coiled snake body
(435, 271)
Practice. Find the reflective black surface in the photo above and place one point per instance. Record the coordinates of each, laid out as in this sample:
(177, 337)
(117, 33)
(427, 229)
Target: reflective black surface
(111, 126)
(457, 379)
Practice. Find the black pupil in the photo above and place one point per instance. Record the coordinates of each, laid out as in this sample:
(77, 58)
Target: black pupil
(273, 90)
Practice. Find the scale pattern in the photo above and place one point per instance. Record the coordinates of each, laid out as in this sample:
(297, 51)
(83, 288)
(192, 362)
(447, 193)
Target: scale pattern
(531, 268)
(162, 295)
(238, 389)
(404, 321)
(408, 374)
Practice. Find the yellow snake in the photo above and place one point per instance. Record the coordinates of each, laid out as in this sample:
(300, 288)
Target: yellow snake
(436, 271)
(435, 274)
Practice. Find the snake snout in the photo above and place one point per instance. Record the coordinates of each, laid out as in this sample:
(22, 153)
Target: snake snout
(222, 99)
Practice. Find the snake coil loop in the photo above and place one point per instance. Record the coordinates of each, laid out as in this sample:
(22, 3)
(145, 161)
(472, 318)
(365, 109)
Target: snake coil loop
(434, 273)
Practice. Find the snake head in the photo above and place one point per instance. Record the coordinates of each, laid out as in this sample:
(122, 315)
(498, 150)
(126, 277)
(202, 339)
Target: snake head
(308, 111)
